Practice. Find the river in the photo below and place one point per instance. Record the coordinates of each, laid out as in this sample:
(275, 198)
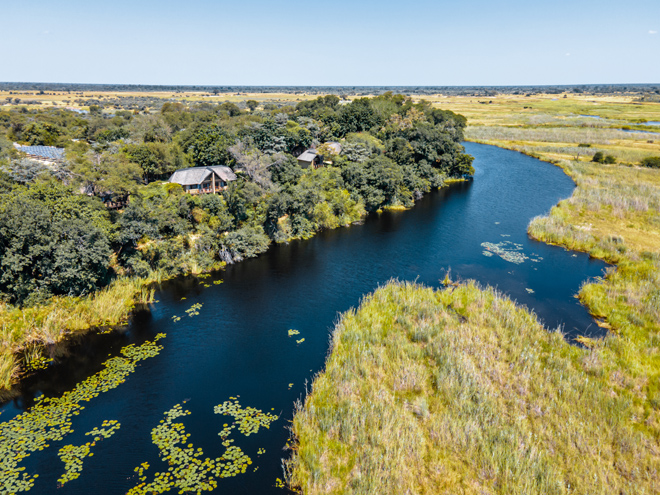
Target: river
(238, 346)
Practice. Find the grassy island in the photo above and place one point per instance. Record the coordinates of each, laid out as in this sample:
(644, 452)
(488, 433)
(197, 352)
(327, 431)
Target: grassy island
(460, 391)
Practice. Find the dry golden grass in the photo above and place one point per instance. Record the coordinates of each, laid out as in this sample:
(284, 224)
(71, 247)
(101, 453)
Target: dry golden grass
(21, 329)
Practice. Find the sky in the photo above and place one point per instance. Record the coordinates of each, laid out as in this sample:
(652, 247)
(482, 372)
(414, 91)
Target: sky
(338, 43)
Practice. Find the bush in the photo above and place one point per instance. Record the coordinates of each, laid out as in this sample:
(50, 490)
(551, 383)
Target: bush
(651, 162)
(598, 157)
(246, 242)
(609, 159)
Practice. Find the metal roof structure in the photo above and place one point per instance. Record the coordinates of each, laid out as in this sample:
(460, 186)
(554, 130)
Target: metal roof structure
(335, 146)
(197, 175)
(44, 152)
(308, 155)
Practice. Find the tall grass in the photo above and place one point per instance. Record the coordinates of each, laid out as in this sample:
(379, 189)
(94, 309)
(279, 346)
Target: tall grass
(46, 324)
(576, 135)
(461, 391)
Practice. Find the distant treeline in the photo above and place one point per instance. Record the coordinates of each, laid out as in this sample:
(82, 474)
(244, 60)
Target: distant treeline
(638, 89)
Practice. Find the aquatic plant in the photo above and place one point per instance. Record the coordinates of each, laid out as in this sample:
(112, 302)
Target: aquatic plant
(293, 332)
(28, 329)
(194, 309)
(73, 455)
(300, 341)
(248, 419)
(50, 420)
(508, 251)
(188, 472)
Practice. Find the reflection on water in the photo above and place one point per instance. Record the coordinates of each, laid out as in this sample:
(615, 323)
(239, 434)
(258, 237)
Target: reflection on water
(237, 343)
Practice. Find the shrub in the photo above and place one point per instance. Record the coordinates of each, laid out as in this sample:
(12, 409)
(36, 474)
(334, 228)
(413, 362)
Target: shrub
(609, 159)
(651, 162)
(598, 157)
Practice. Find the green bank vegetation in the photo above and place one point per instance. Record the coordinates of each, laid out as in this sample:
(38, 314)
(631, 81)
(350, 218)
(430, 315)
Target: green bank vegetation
(60, 245)
(461, 391)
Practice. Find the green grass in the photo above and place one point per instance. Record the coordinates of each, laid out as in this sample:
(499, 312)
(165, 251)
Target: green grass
(25, 331)
(461, 391)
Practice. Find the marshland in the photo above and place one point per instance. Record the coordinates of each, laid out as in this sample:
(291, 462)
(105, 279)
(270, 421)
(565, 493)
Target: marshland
(507, 384)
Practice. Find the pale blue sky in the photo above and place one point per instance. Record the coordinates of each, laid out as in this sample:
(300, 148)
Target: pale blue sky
(296, 42)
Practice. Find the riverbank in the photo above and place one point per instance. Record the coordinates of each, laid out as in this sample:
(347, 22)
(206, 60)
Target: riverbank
(460, 390)
(27, 332)
(463, 391)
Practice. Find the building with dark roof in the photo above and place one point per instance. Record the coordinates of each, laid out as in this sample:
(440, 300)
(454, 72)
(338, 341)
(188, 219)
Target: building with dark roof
(203, 180)
(310, 158)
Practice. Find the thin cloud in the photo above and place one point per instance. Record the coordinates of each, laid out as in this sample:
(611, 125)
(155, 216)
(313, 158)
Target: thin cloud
(652, 31)
(568, 54)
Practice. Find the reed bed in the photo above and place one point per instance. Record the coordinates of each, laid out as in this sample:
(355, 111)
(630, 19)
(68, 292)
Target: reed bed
(461, 391)
(25, 331)
(588, 135)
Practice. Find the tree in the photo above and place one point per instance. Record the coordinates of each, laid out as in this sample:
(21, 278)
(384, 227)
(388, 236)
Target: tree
(52, 242)
(252, 105)
(358, 116)
(156, 159)
(598, 157)
(255, 164)
(106, 173)
(209, 146)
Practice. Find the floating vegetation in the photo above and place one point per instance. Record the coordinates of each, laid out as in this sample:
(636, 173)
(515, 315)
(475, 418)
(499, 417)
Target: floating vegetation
(207, 285)
(279, 483)
(300, 341)
(249, 419)
(176, 318)
(217, 282)
(505, 235)
(183, 298)
(531, 291)
(50, 419)
(293, 332)
(508, 251)
(290, 386)
(39, 363)
(194, 309)
(72, 456)
(188, 472)
(261, 451)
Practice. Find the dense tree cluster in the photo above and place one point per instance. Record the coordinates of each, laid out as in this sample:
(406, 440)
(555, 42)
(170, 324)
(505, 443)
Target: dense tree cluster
(57, 237)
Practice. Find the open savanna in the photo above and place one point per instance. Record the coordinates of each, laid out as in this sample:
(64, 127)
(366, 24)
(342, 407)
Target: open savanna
(460, 391)
(68, 99)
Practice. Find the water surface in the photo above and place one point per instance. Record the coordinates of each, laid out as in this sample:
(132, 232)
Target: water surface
(238, 344)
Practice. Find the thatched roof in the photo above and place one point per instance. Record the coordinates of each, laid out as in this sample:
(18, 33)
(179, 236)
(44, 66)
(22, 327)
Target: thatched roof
(197, 175)
(308, 155)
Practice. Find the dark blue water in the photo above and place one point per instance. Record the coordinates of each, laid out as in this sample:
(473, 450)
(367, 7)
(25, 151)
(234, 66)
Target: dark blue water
(238, 345)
